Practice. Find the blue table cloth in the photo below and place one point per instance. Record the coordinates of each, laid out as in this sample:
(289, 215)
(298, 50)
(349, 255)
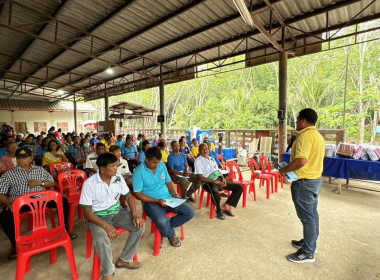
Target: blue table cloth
(345, 168)
(226, 152)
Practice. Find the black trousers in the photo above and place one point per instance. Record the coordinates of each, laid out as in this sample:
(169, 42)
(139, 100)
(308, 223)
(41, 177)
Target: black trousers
(233, 199)
(8, 225)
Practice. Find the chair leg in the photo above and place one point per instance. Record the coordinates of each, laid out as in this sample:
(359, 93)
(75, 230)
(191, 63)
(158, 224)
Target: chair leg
(95, 267)
(212, 211)
(135, 258)
(282, 181)
(71, 259)
(53, 256)
(201, 198)
(182, 233)
(88, 244)
(267, 181)
(252, 187)
(276, 183)
(71, 217)
(208, 203)
(28, 264)
(80, 213)
(21, 266)
(245, 188)
(157, 243)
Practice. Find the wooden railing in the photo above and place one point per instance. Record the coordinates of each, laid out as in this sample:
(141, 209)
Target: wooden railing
(243, 137)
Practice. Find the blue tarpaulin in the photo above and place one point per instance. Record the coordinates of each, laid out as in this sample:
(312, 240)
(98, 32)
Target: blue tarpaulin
(347, 168)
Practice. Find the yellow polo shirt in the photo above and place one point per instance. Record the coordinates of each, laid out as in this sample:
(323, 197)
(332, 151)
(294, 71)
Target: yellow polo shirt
(195, 151)
(165, 156)
(309, 145)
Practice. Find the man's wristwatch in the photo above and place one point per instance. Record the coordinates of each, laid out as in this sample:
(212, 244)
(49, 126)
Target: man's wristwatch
(43, 184)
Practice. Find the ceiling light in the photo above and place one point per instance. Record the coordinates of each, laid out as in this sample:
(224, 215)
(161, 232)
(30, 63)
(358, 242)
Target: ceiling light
(244, 12)
(60, 92)
(109, 71)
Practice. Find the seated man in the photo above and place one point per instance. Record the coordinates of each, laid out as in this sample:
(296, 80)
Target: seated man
(208, 172)
(152, 185)
(100, 200)
(23, 179)
(178, 168)
(90, 163)
(129, 152)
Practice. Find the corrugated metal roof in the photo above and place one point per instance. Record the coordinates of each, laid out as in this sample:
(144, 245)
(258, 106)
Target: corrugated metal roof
(67, 44)
(33, 105)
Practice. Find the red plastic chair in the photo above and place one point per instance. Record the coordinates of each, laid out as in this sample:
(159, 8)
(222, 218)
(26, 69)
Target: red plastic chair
(42, 238)
(157, 233)
(234, 168)
(96, 261)
(179, 191)
(70, 183)
(263, 177)
(222, 161)
(209, 202)
(58, 167)
(264, 162)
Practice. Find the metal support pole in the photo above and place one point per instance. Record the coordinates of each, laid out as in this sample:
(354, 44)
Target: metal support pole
(282, 106)
(162, 103)
(162, 106)
(106, 106)
(75, 115)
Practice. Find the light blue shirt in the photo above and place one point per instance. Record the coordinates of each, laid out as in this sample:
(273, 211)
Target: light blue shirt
(3, 152)
(141, 156)
(129, 151)
(152, 184)
(177, 162)
(120, 143)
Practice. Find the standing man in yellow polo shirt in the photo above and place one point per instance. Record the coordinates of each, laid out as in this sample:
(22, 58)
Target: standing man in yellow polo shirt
(307, 162)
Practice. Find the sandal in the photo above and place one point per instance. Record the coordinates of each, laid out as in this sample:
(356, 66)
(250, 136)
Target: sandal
(174, 241)
(228, 213)
(220, 216)
(73, 235)
(12, 255)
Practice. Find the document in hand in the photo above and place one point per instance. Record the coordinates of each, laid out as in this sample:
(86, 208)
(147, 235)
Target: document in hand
(174, 202)
(290, 175)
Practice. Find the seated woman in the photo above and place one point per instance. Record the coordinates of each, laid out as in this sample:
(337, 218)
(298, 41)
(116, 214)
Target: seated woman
(145, 147)
(129, 152)
(164, 153)
(184, 148)
(41, 150)
(8, 161)
(82, 154)
(53, 155)
(68, 143)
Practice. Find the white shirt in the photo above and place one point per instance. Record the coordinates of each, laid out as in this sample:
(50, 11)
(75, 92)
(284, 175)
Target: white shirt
(99, 195)
(91, 161)
(123, 168)
(205, 166)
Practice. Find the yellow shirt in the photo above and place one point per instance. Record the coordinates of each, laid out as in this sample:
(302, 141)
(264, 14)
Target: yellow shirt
(165, 156)
(195, 151)
(212, 146)
(309, 145)
(48, 158)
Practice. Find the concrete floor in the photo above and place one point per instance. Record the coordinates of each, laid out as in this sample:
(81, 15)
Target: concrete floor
(253, 245)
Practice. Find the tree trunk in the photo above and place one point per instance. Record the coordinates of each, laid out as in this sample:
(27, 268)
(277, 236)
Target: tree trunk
(374, 125)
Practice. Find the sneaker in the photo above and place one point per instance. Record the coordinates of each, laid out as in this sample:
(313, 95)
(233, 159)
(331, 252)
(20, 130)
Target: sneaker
(300, 257)
(297, 244)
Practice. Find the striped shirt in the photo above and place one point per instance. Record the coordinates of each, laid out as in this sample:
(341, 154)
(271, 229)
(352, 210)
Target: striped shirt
(15, 181)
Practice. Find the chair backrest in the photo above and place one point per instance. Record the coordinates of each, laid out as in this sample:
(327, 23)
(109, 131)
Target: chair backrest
(265, 144)
(234, 168)
(265, 165)
(58, 167)
(221, 158)
(254, 167)
(37, 202)
(71, 182)
(252, 148)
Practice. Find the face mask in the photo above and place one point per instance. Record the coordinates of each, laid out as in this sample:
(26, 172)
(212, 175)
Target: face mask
(86, 145)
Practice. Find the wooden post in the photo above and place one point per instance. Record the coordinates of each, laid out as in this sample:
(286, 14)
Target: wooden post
(106, 106)
(75, 115)
(282, 106)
